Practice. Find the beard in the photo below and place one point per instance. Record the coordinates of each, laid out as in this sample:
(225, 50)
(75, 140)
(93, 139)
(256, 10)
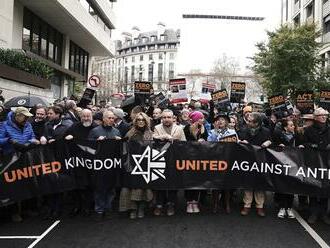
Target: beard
(86, 123)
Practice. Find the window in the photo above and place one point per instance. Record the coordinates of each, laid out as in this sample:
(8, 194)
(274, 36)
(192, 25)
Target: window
(171, 55)
(150, 72)
(310, 10)
(296, 20)
(162, 37)
(160, 56)
(152, 47)
(78, 60)
(27, 30)
(171, 71)
(141, 57)
(125, 60)
(132, 73)
(144, 39)
(133, 59)
(41, 38)
(326, 25)
(162, 46)
(150, 56)
(160, 71)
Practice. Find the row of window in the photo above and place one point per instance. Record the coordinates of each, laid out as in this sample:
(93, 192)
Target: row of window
(78, 59)
(150, 56)
(153, 38)
(41, 38)
(93, 12)
(136, 73)
(148, 48)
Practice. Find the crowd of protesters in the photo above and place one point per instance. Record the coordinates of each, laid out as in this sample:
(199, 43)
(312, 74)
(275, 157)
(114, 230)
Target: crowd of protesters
(22, 129)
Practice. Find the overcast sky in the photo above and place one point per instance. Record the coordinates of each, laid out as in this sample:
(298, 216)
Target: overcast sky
(202, 41)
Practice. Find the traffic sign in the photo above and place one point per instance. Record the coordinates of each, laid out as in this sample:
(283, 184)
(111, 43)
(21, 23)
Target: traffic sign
(94, 81)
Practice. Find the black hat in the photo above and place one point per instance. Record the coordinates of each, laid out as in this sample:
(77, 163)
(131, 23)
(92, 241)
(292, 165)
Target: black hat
(222, 115)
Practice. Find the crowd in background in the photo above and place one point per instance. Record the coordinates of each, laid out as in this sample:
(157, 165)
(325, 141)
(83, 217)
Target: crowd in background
(23, 129)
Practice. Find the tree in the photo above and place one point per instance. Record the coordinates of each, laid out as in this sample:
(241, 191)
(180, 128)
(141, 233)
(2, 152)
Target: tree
(289, 61)
(224, 68)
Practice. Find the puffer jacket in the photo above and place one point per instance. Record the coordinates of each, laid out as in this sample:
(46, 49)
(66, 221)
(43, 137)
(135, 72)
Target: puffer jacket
(10, 131)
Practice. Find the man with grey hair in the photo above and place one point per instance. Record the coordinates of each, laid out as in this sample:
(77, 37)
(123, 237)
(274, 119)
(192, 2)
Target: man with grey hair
(167, 131)
(318, 136)
(103, 193)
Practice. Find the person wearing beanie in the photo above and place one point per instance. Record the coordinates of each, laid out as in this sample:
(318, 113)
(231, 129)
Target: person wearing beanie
(318, 136)
(195, 131)
(247, 110)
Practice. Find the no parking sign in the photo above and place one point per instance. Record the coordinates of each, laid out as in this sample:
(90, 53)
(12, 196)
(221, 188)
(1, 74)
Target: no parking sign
(94, 81)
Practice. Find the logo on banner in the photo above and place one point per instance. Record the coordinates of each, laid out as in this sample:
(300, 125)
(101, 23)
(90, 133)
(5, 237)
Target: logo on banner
(155, 164)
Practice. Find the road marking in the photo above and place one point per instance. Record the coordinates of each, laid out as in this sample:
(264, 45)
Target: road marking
(44, 234)
(19, 237)
(311, 231)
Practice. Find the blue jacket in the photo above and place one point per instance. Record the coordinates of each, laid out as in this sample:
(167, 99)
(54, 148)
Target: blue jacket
(10, 131)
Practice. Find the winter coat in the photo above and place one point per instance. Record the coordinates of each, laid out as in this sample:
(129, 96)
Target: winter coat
(106, 131)
(59, 131)
(261, 135)
(317, 136)
(10, 131)
(79, 131)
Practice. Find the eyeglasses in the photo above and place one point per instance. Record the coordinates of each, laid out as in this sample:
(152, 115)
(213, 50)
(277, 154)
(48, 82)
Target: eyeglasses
(141, 120)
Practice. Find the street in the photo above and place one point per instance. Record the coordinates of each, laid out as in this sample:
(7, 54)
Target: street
(203, 230)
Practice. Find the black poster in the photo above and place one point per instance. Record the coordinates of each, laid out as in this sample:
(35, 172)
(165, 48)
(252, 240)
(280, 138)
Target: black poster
(325, 99)
(237, 92)
(305, 102)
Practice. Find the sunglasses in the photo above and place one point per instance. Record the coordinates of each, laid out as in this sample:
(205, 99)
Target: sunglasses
(141, 120)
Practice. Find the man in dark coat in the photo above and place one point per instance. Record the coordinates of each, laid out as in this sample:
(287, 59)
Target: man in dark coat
(104, 185)
(82, 197)
(254, 134)
(39, 121)
(120, 123)
(318, 136)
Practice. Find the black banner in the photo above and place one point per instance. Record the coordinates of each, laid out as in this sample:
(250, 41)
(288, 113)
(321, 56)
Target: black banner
(325, 99)
(237, 92)
(305, 102)
(67, 165)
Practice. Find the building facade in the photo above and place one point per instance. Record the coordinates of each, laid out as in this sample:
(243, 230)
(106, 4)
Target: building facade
(63, 34)
(140, 56)
(317, 11)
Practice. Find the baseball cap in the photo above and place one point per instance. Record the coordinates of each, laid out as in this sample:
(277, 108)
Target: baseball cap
(23, 111)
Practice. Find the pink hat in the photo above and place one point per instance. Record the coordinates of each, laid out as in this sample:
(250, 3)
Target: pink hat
(196, 116)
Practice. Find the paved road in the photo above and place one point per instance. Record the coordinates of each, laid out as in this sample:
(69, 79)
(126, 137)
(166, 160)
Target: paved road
(181, 230)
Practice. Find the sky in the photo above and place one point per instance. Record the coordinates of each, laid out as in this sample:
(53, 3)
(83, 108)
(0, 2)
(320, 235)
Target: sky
(203, 40)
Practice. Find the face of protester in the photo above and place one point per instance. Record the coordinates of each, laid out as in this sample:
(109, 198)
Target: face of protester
(140, 121)
(157, 113)
(175, 119)
(273, 118)
(290, 127)
(232, 123)
(251, 122)
(21, 119)
(321, 118)
(167, 119)
(108, 119)
(52, 115)
(246, 115)
(86, 118)
(40, 114)
(222, 123)
(95, 109)
(185, 116)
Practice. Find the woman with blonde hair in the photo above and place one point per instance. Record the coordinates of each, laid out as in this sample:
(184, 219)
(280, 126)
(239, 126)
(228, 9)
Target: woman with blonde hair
(134, 200)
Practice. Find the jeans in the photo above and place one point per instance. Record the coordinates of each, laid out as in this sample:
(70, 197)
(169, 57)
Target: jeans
(103, 199)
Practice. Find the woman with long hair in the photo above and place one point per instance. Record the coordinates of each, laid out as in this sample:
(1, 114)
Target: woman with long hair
(134, 200)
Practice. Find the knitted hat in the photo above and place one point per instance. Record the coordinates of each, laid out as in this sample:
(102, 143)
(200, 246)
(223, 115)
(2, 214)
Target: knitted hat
(196, 116)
